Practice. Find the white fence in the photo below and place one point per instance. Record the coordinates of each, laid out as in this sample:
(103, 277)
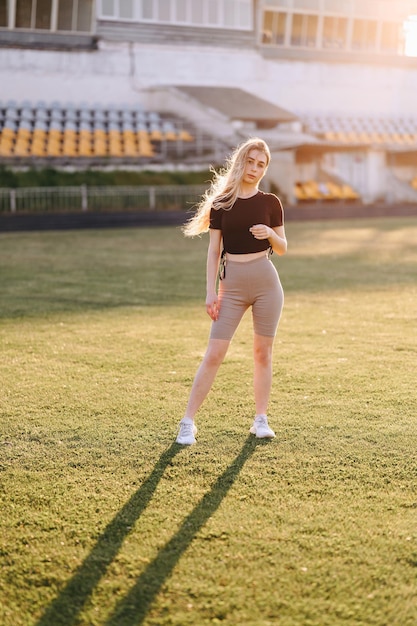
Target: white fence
(83, 198)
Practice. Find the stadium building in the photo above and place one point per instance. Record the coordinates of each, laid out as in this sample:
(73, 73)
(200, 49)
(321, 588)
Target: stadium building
(330, 84)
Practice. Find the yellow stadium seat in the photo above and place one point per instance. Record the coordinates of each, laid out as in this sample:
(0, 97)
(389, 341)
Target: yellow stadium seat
(99, 142)
(130, 147)
(115, 150)
(408, 139)
(38, 142)
(6, 147)
(23, 134)
(299, 192)
(8, 133)
(39, 135)
(335, 191)
(169, 134)
(53, 148)
(375, 137)
(23, 137)
(55, 134)
(312, 190)
(364, 137)
(38, 148)
(145, 147)
(70, 141)
(85, 147)
(142, 134)
(349, 193)
(398, 138)
(69, 150)
(115, 144)
(129, 143)
(341, 136)
(155, 134)
(99, 147)
(21, 149)
(184, 135)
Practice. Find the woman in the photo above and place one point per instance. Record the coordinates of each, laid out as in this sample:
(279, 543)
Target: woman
(245, 225)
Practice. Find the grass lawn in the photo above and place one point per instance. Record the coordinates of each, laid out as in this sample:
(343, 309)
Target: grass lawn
(106, 522)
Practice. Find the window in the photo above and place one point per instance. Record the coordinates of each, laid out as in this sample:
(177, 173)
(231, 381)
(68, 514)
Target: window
(84, 15)
(391, 39)
(229, 12)
(163, 10)
(70, 15)
(334, 32)
(197, 15)
(107, 8)
(65, 16)
(3, 13)
(213, 12)
(74, 15)
(273, 31)
(364, 35)
(304, 30)
(147, 9)
(43, 14)
(245, 14)
(235, 14)
(126, 9)
(23, 14)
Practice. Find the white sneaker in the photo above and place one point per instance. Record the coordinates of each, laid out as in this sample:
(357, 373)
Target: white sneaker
(260, 427)
(187, 431)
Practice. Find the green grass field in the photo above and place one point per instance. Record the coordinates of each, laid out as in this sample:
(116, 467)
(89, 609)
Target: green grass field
(106, 522)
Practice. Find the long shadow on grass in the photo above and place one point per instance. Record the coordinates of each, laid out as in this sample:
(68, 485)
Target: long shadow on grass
(64, 610)
(132, 610)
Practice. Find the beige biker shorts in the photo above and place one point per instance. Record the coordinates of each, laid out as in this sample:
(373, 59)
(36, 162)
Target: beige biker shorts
(254, 284)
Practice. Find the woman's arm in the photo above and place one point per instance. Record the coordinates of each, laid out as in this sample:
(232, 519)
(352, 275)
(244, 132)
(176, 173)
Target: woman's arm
(213, 258)
(276, 236)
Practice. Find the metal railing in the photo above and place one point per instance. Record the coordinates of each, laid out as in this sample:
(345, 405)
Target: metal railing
(83, 198)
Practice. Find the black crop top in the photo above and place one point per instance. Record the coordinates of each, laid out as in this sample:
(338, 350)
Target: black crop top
(262, 208)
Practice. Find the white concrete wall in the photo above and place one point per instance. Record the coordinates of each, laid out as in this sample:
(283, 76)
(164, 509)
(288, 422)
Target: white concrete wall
(282, 172)
(118, 72)
(102, 75)
(121, 72)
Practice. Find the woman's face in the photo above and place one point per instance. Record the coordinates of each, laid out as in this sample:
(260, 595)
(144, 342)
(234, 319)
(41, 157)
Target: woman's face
(255, 167)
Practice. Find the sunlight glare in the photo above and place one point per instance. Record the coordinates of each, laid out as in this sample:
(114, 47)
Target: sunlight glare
(410, 30)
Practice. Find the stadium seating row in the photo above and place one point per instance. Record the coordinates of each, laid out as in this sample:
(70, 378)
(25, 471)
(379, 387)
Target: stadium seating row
(96, 108)
(82, 132)
(371, 138)
(362, 130)
(312, 190)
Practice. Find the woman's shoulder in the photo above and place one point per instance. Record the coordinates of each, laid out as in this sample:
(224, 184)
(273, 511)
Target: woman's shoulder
(271, 197)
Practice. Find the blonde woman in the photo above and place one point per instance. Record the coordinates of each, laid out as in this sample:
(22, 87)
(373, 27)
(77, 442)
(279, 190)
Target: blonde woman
(245, 225)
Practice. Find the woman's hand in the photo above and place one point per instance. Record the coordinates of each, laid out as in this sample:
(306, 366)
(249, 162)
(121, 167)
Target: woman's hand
(261, 231)
(276, 236)
(212, 306)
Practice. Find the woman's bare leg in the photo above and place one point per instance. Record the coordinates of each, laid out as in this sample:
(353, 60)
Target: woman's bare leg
(262, 378)
(206, 373)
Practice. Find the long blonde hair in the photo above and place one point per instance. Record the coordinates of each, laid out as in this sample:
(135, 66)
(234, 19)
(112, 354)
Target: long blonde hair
(224, 189)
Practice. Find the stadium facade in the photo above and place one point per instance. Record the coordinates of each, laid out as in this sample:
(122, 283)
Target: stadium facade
(331, 84)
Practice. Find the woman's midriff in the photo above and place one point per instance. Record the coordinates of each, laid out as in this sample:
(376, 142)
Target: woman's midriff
(243, 258)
